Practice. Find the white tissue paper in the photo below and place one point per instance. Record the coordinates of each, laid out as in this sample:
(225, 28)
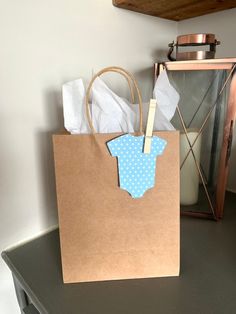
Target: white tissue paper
(167, 99)
(73, 94)
(111, 113)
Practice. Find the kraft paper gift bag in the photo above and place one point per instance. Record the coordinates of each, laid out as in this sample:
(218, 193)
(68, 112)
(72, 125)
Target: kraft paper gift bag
(106, 233)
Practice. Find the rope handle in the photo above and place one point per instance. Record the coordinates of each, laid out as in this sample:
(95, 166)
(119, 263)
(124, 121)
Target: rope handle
(130, 79)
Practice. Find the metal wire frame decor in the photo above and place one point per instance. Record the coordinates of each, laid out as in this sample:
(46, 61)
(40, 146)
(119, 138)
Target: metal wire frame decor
(229, 64)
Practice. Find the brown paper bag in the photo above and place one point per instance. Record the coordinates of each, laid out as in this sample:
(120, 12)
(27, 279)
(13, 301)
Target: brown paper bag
(105, 234)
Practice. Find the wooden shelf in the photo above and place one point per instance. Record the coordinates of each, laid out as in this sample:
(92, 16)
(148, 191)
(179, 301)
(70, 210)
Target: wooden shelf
(176, 10)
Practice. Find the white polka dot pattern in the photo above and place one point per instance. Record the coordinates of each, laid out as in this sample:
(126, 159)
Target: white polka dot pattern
(136, 169)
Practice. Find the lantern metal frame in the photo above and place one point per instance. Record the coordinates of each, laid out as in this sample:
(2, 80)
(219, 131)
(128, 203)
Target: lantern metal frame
(228, 64)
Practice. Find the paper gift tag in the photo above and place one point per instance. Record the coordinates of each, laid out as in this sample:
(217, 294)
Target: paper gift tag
(136, 169)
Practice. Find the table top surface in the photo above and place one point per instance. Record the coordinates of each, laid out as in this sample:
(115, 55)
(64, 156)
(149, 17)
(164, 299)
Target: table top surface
(206, 285)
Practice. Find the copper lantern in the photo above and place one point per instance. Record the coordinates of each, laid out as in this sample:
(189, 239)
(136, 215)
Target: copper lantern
(205, 117)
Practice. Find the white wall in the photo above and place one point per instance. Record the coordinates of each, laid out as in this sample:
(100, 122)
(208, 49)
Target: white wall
(223, 25)
(43, 44)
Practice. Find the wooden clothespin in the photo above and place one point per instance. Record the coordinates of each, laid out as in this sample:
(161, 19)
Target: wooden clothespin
(149, 128)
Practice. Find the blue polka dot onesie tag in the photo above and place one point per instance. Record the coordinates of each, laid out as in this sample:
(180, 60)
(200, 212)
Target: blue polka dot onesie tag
(136, 169)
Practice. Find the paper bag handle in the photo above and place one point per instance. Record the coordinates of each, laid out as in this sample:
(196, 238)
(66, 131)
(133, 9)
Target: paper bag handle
(130, 79)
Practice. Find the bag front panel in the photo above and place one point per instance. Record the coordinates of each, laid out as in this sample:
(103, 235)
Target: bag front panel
(106, 234)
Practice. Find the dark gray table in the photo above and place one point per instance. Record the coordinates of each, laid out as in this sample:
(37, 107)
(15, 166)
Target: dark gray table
(207, 284)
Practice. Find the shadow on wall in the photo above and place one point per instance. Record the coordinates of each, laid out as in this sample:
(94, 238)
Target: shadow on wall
(54, 114)
(145, 82)
(160, 55)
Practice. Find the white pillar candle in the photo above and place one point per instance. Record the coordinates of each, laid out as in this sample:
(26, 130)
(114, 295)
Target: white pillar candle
(189, 176)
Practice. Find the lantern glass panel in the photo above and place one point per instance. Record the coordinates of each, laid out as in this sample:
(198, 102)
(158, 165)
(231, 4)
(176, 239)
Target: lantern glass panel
(203, 108)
